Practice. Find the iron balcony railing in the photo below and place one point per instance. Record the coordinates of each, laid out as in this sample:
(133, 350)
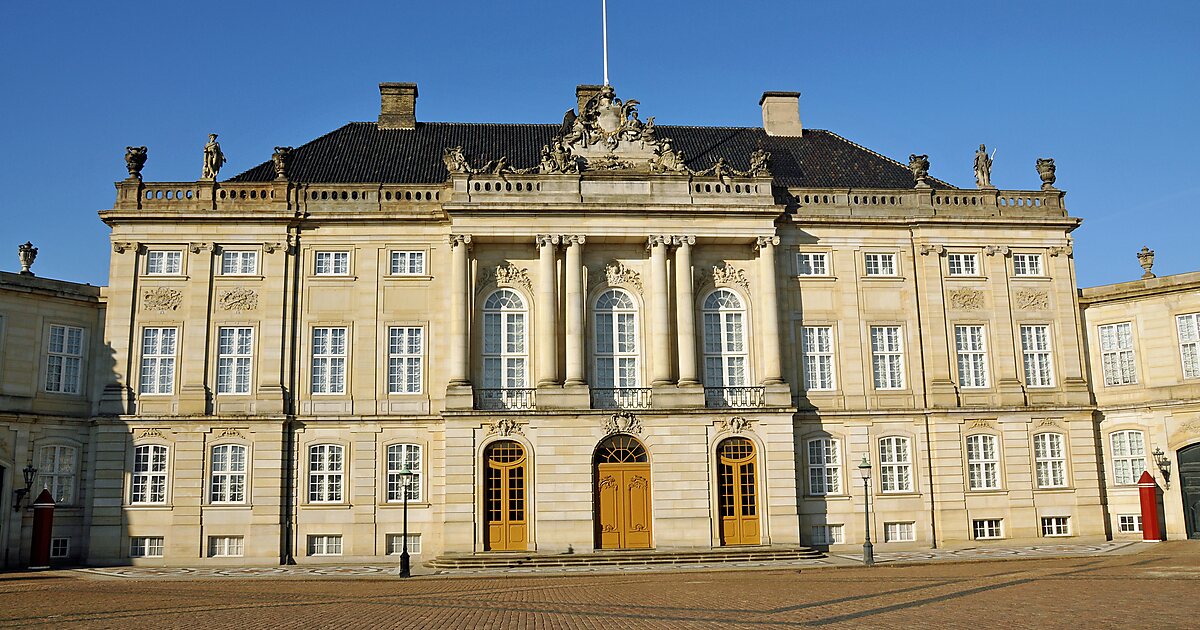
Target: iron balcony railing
(733, 397)
(621, 397)
(504, 399)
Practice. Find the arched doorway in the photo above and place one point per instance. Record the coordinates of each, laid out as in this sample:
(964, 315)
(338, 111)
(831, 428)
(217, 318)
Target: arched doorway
(504, 499)
(1189, 486)
(737, 492)
(623, 513)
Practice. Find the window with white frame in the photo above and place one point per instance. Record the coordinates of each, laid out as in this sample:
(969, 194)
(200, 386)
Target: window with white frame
(1129, 523)
(158, 361)
(963, 264)
(726, 359)
(405, 263)
(1056, 526)
(399, 458)
(227, 483)
(824, 466)
(983, 462)
(324, 545)
(617, 354)
(985, 528)
(332, 264)
(887, 357)
(1027, 264)
(226, 546)
(1189, 343)
(57, 465)
(406, 356)
(164, 263)
(235, 352)
(149, 481)
(1050, 460)
(60, 547)
(816, 347)
(394, 541)
(895, 465)
(1035, 347)
(239, 263)
(812, 264)
(326, 466)
(880, 264)
(505, 346)
(64, 359)
(146, 547)
(899, 532)
(830, 534)
(1128, 456)
(971, 344)
(1116, 354)
(329, 361)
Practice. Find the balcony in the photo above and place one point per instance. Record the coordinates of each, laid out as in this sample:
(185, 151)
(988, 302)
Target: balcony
(504, 399)
(733, 397)
(621, 398)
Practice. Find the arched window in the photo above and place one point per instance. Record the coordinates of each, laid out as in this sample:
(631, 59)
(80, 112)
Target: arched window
(149, 482)
(983, 462)
(228, 482)
(505, 351)
(1050, 459)
(895, 465)
(400, 457)
(326, 467)
(824, 466)
(1128, 456)
(56, 470)
(616, 340)
(725, 356)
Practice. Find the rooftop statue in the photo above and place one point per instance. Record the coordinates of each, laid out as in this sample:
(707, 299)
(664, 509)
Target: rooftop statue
(213, 158)
(760, 164)
(456, 160)
(983, 168)
(606, 118)
(667, 159)
(919, 165)
(135, 159)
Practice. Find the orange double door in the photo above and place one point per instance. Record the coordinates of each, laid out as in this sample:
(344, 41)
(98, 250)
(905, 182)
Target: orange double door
(623, 505)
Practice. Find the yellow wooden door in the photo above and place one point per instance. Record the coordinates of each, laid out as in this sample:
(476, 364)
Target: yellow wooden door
(737, 481)
(623, 506)
(504, 497)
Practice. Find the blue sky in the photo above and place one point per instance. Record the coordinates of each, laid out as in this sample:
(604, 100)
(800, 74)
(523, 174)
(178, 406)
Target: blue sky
(1110, 90)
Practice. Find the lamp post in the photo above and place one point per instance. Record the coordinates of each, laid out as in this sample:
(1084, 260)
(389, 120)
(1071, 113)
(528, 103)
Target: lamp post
(1164, 466)
(406, 475)
(864, 471)
(29, 471)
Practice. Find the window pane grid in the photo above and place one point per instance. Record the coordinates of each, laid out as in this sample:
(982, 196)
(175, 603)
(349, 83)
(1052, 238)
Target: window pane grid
(1035, 347)
(817, 351)
(149, 480)
(812, 264)
(325, 469)
(972, 356)
(887, 357)
(983, 466)
(725, 356)
(158, 361)
(228, 477)
(1116, 352)
(1189, 343)
(405, 359)
(504, 343)
(1050, 460)
(163, 263)
(407, 263)
(880, 264)
(616, 352)
(239, 263)
(332, 263)
(329, 361)
(399, 457)
(1027, 264)
(56, 472)
(63, 360)
(1129, 456)
(895, 465)
(824, 466)
(234, 355)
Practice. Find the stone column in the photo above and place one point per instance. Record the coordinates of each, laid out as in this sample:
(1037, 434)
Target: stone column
(459, 344)
(660, 319)
(769, 307)
(685, 313)
(574, 315)
(547, 306)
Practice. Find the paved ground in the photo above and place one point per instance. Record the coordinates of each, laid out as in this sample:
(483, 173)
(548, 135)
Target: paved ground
(1148, 586)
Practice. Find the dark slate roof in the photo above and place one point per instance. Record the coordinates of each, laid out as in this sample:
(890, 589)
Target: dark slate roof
(360, 152)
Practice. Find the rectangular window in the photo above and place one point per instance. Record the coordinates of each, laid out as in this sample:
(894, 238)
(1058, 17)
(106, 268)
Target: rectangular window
(226, 546)
(1116, 354)
(983, 463)
(1129, 523)
(325, 470)
(146, 547)
(329, 361)
(817, 349)
(228, 482)
(406, 351)
(56, 473)
(158, 361)
(899, 532)
(1035, 346)
(1027, 264)
(323, 545)
(64, 359)
(235, 351)
(1129, 456)
(985, 528)
(972, 356)
(60, 547)
(1050, 460)
(827, 535)
(164, 263)
(393, 544)
(824, 466)
(408, 264)
(963, 264)
(333, 264)
(895, 465)
(880, 264)
(239, 263)
(812, 264)
(149, 481)
(402, 457)
(1056, 526)
(887, 357)
(1189, 343)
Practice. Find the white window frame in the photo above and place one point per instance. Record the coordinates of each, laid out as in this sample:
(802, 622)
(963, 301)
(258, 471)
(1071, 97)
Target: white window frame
(58, 466)
(1129, 523)
(825, 466)
(983, 462)
(164, 262)
(398, 456)
(235, 359)
(987, 528)
(1050, 459)
(887, 357)
(825, 534)
(326, 473)
(505, 340)
(617, 351)
(895, 465)
(227, 473)
(1037, 353)
(900, 531)
(60, 547)
(812, 264)
(239, 262)
(65, 346)
(970, 342)
(148, 482)
(1055, 526)
(324, 544)
(1128, 456)
(331, 263)
(1188, 327)
(1028, 265)
(226, 546)
(1117, 357)
(880, 264)
(159, 346)
(146, 546)
(961, 264)
(329, 358)
(406, 262)
(726, 351)
(816, 349)
(406, 359)
(414, 544)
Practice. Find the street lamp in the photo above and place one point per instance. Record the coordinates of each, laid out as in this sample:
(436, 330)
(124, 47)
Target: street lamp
(864, 471)
(406, 476)
(1164, 465)
(29, 471)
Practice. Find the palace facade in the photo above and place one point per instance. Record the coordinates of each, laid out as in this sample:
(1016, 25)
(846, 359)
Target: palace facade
(597, 334)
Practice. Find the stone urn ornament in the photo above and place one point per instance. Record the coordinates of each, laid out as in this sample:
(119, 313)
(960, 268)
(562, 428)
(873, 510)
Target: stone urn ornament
(1146, 260)
(919, 165)
(1045, 169)
(27, 253)
(135, 159)
(281, 158)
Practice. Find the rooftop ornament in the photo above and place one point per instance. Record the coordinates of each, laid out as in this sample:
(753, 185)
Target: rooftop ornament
(919, 165)
(27, 253)
(1146, 260)
(135, 159)
(1045, 169)
(983, 168)
(213, 158)
(281, 159)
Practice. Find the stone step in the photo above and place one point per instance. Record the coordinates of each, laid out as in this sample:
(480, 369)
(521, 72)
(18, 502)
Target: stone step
(510, 559)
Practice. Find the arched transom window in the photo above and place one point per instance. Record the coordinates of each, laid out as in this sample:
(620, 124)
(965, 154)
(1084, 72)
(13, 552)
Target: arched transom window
(725, 356)
(616, 340)
(505, 350)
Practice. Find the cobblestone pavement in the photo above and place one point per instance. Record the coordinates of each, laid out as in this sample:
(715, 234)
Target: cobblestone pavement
(1149, 586)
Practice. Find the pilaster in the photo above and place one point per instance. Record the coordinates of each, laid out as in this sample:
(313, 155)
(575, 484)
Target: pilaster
(547, 310)
(193, 349)
(660, 319)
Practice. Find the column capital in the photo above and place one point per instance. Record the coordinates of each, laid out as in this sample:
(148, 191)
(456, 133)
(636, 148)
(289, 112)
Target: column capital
(992, 250)
(764, 241)
(683, 240)
(573, 239)
(656, 240)
(196, 248)
(459, 239)
(932, 249)
(546, 240)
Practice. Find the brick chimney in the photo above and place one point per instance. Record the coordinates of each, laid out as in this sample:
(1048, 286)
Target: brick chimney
(583, 93)
(781, 113)
(397, 105)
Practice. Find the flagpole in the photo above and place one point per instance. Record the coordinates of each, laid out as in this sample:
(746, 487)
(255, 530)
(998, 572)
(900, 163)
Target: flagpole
(604, 12)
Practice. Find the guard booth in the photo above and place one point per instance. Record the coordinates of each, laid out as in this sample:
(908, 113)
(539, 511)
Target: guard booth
(43, 525)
